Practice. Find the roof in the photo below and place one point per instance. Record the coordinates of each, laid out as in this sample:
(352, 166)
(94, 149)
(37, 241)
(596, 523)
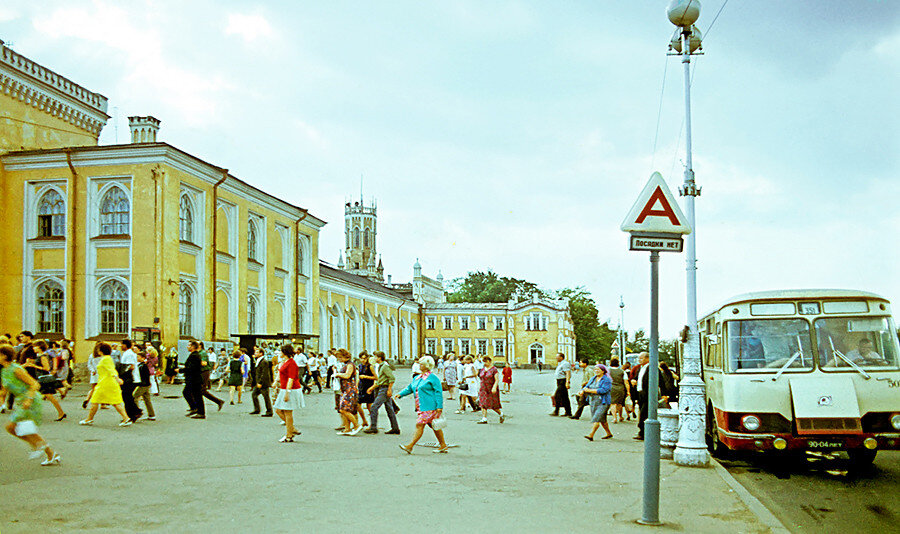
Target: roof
(163, 149)
(466, 305)
(327, 271)
(792, 294)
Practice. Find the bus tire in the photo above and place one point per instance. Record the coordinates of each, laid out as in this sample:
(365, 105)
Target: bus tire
(716, 447)
(861, 458)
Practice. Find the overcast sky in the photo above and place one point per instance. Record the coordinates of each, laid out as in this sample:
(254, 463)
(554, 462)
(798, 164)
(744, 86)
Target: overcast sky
(515, 136)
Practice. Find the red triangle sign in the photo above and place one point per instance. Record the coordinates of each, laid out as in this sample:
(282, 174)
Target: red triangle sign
(656, 211)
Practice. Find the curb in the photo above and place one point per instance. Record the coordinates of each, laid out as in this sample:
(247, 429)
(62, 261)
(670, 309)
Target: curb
(762, 513)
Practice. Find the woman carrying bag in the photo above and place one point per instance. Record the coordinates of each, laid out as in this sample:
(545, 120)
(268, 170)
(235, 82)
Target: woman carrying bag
(429, 405)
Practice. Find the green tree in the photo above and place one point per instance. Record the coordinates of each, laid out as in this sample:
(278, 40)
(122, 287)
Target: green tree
(487, 286)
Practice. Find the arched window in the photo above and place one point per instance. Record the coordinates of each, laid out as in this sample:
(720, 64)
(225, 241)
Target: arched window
(113, 308)
(186, 220)
(356, 236)
(50, 307)
(366, 238)
(536, 352)
(114, 212)
(252, 241)
(251, 314)
(51, 215)
(300, 268)
(186, 311)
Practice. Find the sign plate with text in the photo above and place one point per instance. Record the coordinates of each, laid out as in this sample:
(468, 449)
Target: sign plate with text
(669, 243)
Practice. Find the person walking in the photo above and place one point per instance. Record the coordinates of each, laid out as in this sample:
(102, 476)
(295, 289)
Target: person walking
(235, 376)
(315, 375)
(221, 371)
(587, 372)
(619, 389)
(152, 358)
(489, 392)
(63, 366)
(382, 391)
(366, 380)
(290, 395)
(92, 363)
(128, 372)
(107, 389)
(263, 382)
(193, 382)
(630, 393)
(563, 376)
(37, 363)
(451, 375)
(429, 397)
(468, 387)
(171, 367)
(349, 394)
(26, 412)
(507, 377)
(207, 362)
(668, 385)
(142, 391)
(598, 390)
(643, 387)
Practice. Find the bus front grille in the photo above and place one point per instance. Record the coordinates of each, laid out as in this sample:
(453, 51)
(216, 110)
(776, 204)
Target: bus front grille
(828, 425)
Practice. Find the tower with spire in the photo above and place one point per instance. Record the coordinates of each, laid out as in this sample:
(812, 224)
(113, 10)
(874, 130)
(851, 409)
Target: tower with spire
(360, 235)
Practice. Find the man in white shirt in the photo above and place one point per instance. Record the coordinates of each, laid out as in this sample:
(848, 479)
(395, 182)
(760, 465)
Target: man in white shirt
(129, 359)
(563, 377)
(302, 362)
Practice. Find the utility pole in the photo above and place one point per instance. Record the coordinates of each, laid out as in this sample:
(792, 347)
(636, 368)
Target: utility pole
(691, 447)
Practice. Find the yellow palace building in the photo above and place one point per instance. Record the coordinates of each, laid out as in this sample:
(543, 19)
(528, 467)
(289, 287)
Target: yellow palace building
(105, 241)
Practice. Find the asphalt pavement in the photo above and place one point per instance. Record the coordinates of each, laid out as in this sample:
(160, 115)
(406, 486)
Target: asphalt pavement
(534, 473)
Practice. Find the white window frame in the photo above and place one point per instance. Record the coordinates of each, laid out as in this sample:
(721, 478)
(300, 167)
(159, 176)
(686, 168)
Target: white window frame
(430, 323)
(498, 323)
(447, 322)
(448, 342)
(465, 346)
(431, 346)
(464, 322)
(499, 348)
(481, 347)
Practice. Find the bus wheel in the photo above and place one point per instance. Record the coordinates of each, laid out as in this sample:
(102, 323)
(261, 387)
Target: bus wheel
(716, 447)
(861, 458)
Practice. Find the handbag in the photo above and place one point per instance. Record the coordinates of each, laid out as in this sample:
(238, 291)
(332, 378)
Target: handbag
(439, 424)
(464, 387)
(46, 379)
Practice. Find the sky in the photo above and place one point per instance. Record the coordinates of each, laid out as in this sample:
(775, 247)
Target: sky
(515, 136)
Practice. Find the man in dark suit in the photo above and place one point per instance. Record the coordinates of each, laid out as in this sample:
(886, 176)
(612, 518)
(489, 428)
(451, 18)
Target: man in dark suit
(261, 375)
(643, 387)
(193, 382)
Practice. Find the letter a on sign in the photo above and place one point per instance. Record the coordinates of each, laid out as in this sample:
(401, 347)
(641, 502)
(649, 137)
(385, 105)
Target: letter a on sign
(656, 211)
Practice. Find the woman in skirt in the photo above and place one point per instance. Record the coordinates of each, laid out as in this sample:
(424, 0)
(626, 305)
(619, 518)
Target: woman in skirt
(349, 400)
(290, 394)
(26, 413)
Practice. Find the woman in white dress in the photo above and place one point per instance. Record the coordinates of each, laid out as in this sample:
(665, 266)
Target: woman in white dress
(469, 378)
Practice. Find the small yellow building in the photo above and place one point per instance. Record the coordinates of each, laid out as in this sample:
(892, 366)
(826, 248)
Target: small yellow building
(529, 332)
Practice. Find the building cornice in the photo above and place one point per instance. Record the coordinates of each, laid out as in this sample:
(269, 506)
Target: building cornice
(159, 153)
(47, 91)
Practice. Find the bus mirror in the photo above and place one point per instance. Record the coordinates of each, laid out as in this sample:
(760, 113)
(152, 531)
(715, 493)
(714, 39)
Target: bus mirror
(713, 339)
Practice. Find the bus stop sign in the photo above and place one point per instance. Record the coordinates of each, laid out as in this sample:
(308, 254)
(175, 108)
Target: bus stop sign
(655, 221)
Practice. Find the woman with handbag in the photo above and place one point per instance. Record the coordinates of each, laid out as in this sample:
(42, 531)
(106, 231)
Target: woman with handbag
(26, 413)
(349, 400)
(468, 386)
(429, 396)
(489, 392)
(107, 390)
(37, 364)
(597, 390)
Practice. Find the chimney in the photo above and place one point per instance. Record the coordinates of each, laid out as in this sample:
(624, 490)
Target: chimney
(143, 129)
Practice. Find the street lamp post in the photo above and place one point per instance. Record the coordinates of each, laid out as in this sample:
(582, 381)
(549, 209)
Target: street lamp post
(691, 447)
(622, 351)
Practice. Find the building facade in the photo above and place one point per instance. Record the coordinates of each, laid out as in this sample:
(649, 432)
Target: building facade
(104, 241)
(529, 332)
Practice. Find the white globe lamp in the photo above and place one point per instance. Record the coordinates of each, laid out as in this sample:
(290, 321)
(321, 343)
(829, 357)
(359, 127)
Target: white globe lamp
(683, 13)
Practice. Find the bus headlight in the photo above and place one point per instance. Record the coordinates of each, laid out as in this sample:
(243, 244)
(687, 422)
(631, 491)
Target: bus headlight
(750, 422)
(895, 421)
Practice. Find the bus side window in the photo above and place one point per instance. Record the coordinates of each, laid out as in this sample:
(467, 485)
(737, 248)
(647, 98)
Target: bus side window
(719, 347)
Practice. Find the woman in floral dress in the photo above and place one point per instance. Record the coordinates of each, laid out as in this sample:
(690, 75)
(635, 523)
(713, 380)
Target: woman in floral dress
(429, 397)
(489, 392)
(26, 414)
(349, 394)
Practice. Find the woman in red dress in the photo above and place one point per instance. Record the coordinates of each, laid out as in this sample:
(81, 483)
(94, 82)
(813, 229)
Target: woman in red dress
(489, 393)
(507, 377)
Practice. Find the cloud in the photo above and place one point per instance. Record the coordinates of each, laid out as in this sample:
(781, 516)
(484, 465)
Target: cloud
(249, 27)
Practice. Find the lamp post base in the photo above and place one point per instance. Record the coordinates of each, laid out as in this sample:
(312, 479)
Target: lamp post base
(692, 457)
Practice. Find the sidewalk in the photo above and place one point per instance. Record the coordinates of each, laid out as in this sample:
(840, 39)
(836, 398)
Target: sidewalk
(534, 473)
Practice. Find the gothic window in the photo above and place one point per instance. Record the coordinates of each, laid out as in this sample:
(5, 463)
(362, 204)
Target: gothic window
(356, 237)
(251, 314)
(185, 311)
(51, 215)
(252, 241)
(113, 308)
(366, 238)
(347, 235)
(186, 220)
(114, 210)
(300, 256)
(50, 307)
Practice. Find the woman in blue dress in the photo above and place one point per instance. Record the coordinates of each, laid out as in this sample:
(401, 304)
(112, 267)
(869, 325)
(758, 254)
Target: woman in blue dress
(597, 390)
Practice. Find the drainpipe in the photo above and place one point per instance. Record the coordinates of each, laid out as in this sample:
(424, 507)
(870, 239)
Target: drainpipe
(297, 272)
(399, 340)
(157, 293)
(70, 245)
(215, 249)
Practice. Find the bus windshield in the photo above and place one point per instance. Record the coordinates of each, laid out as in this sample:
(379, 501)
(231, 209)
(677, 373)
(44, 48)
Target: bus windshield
(769, 345)
(846, 343)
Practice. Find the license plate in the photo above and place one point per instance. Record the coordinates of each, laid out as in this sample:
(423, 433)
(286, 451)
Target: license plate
(824, 444)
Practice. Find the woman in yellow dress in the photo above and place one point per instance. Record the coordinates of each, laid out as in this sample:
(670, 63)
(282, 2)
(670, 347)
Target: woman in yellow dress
(107, 390)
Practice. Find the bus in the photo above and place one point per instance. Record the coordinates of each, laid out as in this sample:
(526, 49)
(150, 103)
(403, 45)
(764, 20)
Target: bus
(802, 370)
